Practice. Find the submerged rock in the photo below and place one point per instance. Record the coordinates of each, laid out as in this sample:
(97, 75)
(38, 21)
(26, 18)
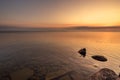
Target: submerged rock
(104, 74)
(99, 58)
(21, 74)
(5, 76)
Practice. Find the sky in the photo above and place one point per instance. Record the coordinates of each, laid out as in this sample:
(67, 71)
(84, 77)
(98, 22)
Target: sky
(59, 13)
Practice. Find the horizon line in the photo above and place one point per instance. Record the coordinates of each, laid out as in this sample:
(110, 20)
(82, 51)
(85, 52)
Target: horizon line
(13, 26)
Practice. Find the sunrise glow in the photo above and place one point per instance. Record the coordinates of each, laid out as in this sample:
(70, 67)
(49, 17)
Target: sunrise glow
(61, 14)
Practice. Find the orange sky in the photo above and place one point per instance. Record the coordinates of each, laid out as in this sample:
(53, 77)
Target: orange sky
(60, 13)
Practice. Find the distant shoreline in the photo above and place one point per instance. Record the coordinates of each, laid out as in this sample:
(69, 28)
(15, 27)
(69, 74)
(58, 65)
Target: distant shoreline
(52, 31)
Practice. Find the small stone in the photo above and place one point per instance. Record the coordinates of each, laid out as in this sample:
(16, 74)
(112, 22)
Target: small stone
(99, 58)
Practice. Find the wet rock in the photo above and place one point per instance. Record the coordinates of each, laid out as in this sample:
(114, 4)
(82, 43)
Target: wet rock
(118, 78)
(104, 74)
(99, 58)
(82, 52)
(37, 75)
(22, 74)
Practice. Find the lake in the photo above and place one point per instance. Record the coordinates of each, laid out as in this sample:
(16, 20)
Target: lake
(54, 55)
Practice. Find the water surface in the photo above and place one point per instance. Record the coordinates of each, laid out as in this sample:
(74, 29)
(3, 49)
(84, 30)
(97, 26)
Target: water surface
(56, 53)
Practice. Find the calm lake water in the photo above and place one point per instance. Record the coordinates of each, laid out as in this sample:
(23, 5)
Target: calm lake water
(56, 53)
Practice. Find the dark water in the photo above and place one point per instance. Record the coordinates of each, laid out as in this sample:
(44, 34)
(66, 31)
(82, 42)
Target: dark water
(55, 54)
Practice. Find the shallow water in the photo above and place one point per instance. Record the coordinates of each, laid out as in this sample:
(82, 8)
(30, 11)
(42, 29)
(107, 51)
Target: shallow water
(56, 53)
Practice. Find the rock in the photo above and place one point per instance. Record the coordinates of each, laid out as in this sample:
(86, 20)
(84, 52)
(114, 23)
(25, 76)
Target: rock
(99, 58)
(82, 52)
(118, 79)
(104, 74)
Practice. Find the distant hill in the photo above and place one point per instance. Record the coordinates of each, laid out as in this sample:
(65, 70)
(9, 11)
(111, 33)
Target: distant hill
(26, 29)
(74, 28)
(80, 28)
